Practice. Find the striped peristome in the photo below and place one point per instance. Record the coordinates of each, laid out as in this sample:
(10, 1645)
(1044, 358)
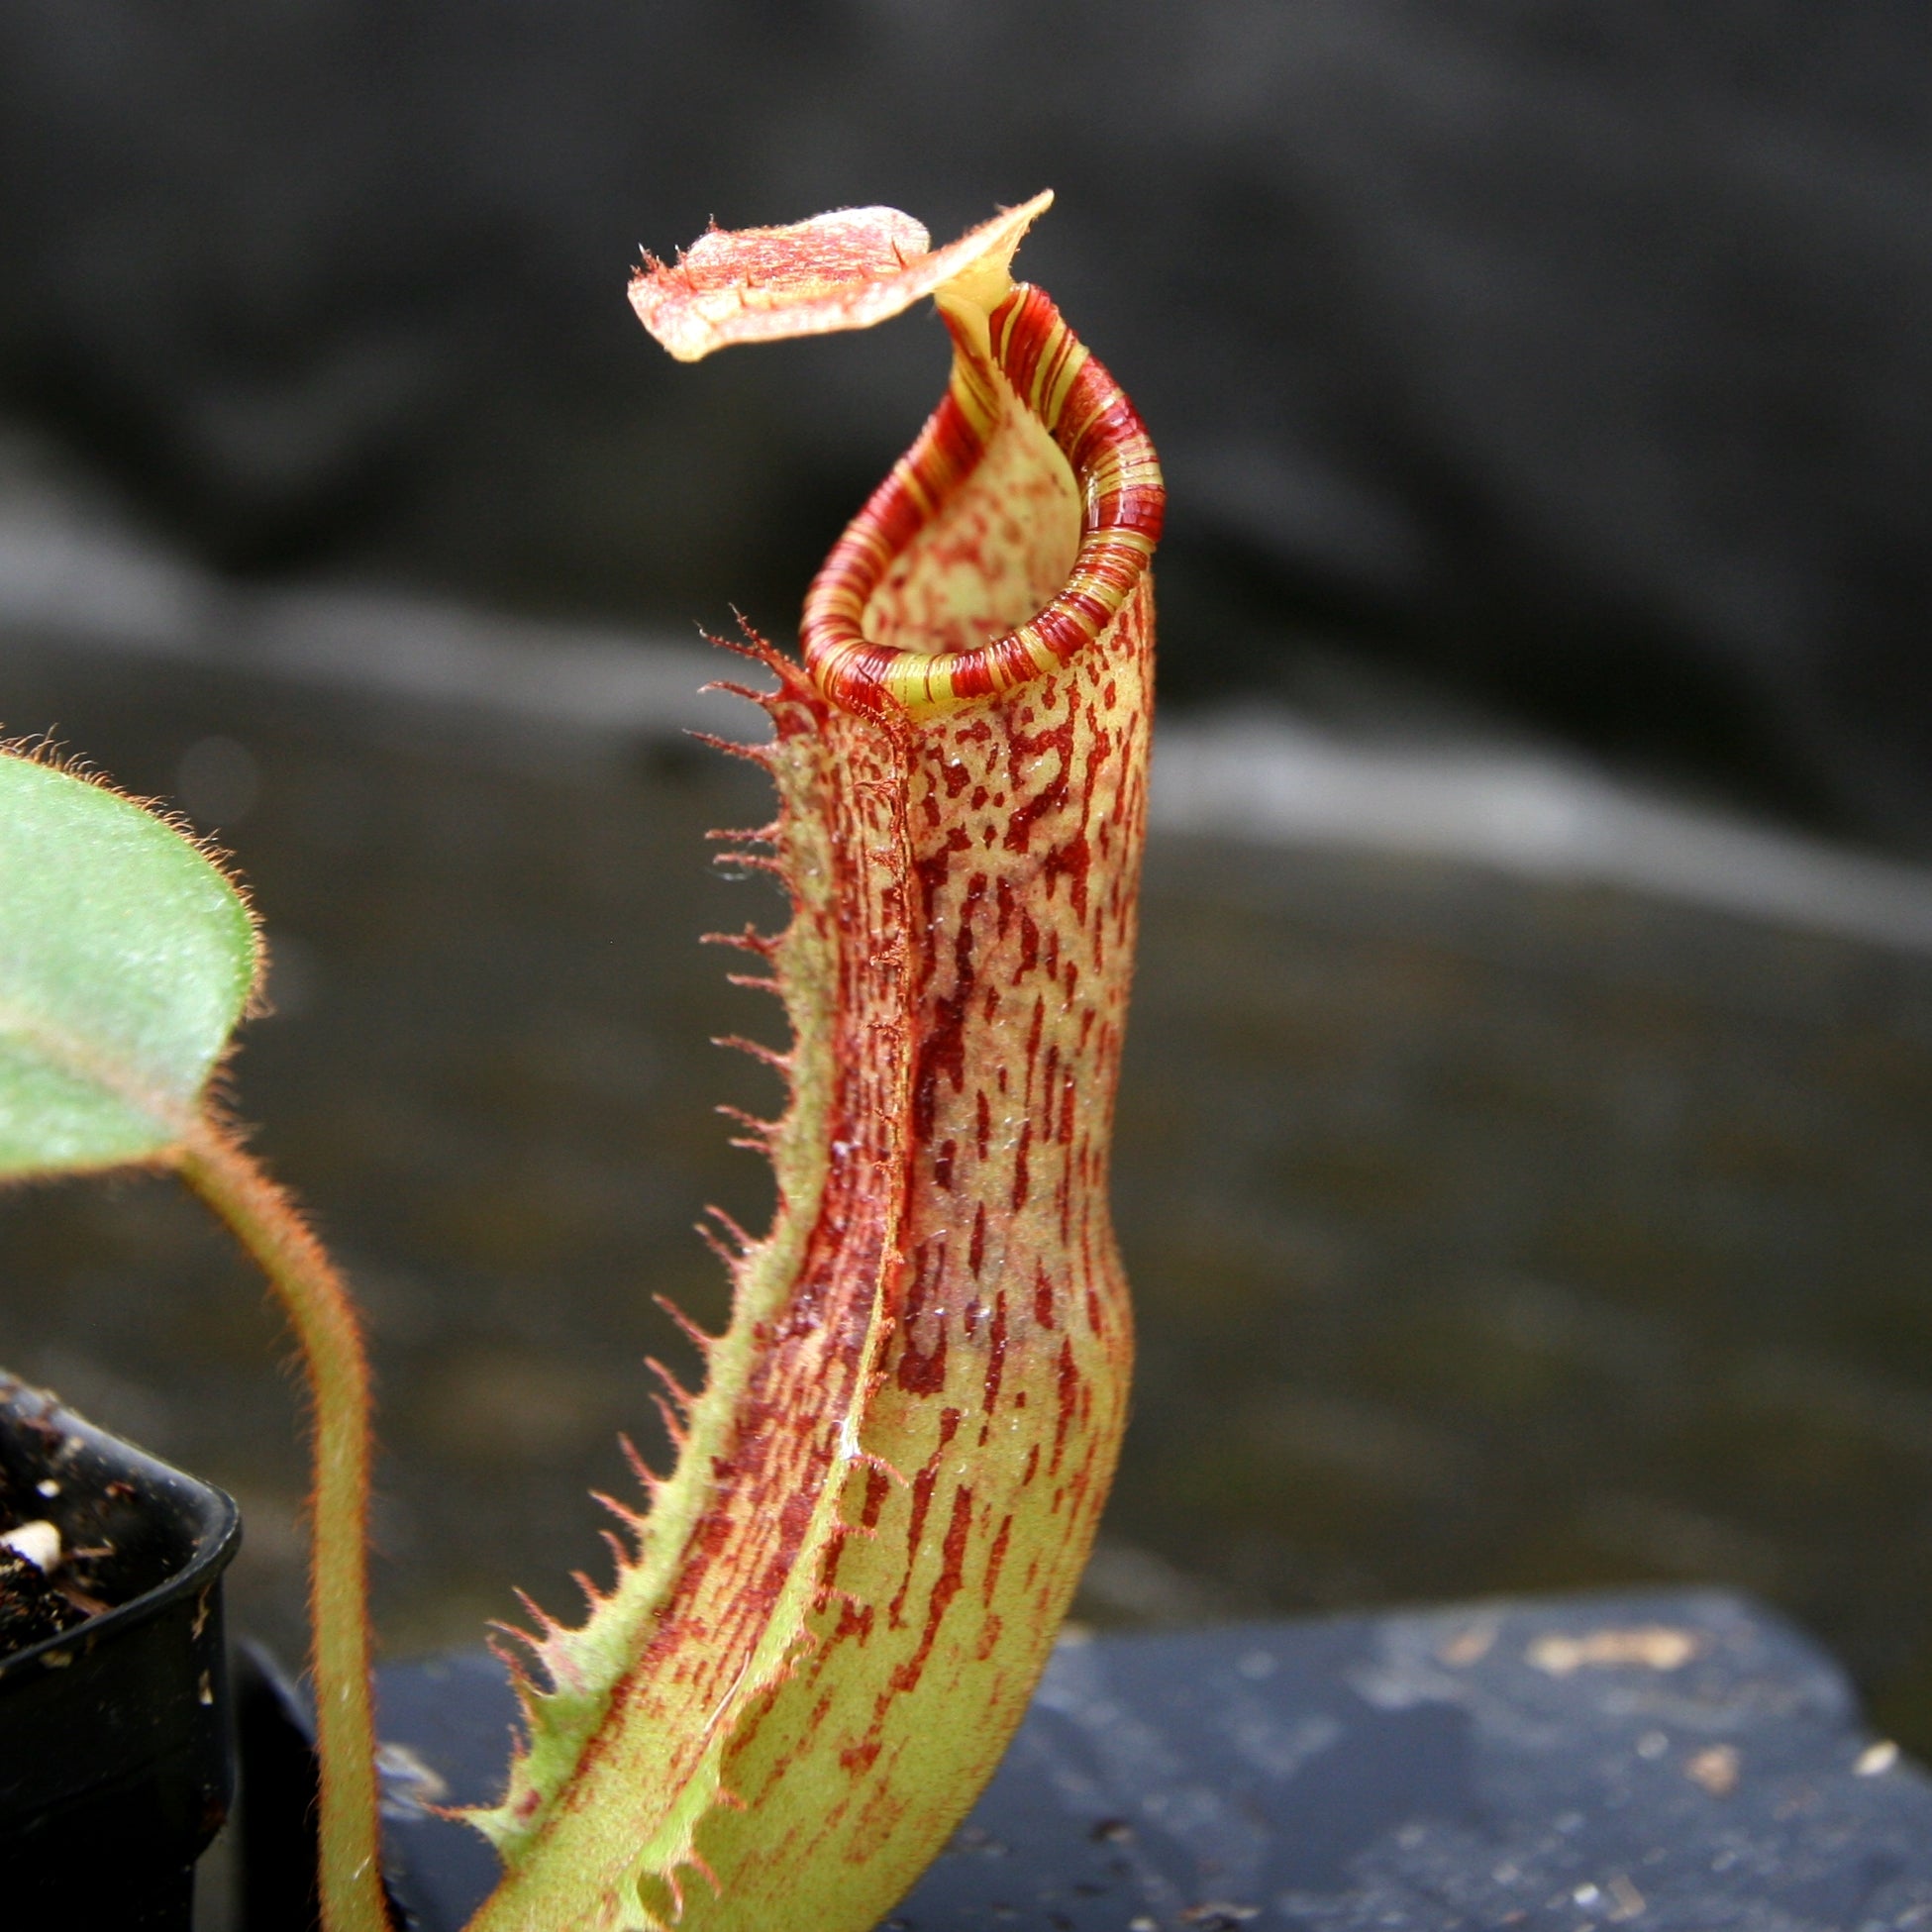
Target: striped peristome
(1038, 360)
(826, 1627)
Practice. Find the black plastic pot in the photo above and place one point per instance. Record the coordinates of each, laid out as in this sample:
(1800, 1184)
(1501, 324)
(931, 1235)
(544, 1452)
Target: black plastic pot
(116, 1766)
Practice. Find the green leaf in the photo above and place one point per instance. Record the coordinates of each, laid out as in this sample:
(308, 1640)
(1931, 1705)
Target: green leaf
(126, 960)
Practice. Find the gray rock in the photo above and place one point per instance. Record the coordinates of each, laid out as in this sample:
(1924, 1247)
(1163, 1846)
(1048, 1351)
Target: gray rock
(1671, 1761)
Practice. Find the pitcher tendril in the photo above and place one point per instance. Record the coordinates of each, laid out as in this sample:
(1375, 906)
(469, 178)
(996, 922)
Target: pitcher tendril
(826, 1628)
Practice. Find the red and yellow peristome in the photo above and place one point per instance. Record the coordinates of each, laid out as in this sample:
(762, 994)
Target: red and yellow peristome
(826, 1627)
(1038, 360)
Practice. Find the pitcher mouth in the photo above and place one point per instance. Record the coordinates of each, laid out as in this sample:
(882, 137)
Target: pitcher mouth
(1038, 363)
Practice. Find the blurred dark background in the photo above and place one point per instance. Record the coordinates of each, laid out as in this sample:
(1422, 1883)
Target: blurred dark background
(1572, 357)
(1526, 1141)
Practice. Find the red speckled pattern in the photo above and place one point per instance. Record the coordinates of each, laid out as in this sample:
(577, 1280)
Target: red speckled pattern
(848, 1589)
(1009, 899)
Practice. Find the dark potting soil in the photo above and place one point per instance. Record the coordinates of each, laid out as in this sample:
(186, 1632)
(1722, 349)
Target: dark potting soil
(35, 1603)
(31, 1606)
